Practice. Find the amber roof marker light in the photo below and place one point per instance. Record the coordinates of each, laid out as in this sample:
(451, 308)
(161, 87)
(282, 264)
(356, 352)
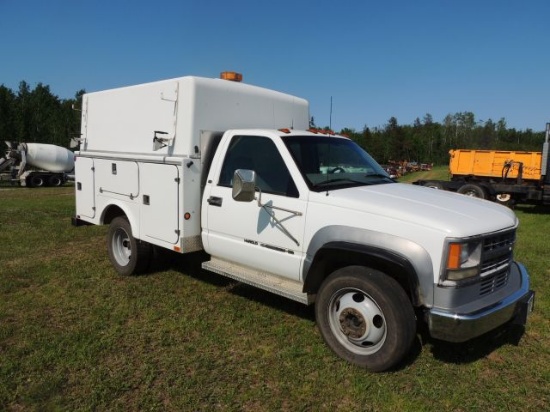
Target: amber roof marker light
(232, 76)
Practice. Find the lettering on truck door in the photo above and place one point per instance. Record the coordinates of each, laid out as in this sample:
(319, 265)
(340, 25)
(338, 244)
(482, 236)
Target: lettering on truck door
(262, 238)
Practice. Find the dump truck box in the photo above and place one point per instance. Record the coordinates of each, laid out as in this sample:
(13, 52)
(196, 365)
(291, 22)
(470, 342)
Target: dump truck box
(495, 163)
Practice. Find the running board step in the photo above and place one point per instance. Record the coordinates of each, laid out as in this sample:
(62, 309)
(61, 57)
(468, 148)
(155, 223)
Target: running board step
(290, 289)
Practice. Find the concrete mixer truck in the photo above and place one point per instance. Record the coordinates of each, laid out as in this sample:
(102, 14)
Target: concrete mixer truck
(36, 164)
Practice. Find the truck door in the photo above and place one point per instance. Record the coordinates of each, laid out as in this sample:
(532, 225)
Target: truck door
(246, 233)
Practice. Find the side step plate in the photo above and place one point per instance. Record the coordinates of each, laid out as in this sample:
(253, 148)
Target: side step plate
(272, 283)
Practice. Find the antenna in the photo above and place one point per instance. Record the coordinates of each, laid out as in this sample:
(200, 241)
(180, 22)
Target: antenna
(330, 115)
(329, 145)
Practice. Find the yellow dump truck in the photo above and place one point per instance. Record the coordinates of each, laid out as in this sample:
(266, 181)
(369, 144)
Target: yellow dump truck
(507, 177)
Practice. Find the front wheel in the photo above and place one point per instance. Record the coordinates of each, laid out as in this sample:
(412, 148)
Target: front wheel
(365, 317)
(128, 255)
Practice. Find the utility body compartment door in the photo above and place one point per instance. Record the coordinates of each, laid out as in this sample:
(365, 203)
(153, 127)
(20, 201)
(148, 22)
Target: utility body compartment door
(85, 187)
(117, 179)
(159, 197)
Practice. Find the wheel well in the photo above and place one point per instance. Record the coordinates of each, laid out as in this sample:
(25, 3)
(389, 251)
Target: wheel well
(110, 213)
(327, 260)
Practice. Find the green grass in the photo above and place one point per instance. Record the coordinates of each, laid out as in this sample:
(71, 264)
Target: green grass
(437, 173)
(75, 336)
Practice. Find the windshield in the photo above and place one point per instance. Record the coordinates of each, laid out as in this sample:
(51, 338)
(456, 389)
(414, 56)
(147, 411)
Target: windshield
(334, 162)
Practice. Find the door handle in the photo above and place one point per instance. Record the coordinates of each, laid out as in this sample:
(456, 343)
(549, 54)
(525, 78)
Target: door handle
(215, 201)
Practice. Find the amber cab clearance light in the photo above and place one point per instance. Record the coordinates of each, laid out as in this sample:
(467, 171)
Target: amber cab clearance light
(321, 131)
(233, 76)
(285, 130)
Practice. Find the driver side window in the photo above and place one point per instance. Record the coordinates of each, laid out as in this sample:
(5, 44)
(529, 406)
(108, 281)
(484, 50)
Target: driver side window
(261, 155)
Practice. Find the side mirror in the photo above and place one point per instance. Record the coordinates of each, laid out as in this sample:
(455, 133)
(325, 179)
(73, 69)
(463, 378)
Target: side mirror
(244, 185)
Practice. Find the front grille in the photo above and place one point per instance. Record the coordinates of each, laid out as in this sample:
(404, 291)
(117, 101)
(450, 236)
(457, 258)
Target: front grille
(495, 261)
(493, 283)
(500, 241)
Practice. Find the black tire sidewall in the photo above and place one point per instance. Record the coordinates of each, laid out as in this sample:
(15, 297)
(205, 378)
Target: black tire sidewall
(55, 181)
(36, 181)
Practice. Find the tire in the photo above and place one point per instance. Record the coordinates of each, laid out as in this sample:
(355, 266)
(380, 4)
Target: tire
(35, 181)
(365, 317)
(472, 190)
(128, 255)
(55, 181)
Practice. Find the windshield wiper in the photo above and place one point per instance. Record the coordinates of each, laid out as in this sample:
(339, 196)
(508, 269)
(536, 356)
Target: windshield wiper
(338, 181)
(379, 175)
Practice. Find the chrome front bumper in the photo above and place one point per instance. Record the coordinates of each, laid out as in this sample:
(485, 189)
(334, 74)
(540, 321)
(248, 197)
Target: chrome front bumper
(460, 327)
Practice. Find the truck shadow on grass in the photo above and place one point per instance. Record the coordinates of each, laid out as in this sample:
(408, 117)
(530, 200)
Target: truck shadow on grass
(190, 265)
(477, 348)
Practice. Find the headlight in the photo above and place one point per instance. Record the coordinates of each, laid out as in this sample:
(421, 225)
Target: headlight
(463, 260)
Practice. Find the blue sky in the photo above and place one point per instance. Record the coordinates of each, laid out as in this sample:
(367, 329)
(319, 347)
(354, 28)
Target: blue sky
(376, 59)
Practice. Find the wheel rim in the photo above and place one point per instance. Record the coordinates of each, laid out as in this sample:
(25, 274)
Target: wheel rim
(504, 197)
(121, 246)
(357, 321)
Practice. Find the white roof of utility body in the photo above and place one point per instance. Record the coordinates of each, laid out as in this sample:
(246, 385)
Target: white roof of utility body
(126, 119)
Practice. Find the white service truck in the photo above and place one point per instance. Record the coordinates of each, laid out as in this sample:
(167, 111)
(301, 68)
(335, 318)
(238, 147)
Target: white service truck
(193, 164)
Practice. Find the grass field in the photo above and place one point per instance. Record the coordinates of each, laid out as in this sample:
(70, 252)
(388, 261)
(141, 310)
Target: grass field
(75, 336)
(437, 173)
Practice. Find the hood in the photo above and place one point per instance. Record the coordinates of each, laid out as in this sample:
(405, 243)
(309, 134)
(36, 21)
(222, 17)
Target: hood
(454, 214)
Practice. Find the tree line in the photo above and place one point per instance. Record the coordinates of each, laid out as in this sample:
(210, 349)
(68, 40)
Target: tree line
(37, 115)
(428, 141)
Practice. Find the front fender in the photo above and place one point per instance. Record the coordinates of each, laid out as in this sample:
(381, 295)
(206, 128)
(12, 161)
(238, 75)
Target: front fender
(414, 260)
